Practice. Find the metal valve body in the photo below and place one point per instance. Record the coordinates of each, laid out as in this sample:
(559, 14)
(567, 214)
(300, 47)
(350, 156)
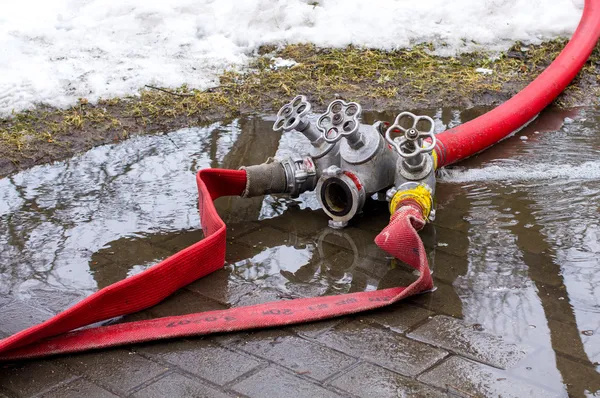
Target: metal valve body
(350, 161)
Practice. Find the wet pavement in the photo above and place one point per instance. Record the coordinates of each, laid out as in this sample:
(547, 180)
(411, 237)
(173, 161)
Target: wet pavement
(515, 252)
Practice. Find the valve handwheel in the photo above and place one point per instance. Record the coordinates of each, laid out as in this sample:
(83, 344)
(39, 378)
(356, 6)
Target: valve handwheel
(410, 144)
(340, 120)
(290, 115)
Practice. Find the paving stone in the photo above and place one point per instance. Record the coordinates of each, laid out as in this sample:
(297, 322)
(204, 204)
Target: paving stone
(17, 316)
(275, 383)
(383, 347)
(542, 268)
(446, 266)
(452, 334)
(118, 369)
(358, 241)
(398, 318)
(32, 378)
(113, 263)
(367, 380)
(452, 242)
(556, 303)
(177, 385)
(313, 329)
(79, 388)
(204, 358)
(185, 302)
(236, 230)
(296, 354)
(444, 300)
(55, 300)
(181, 239)
(261, 295)
(313, 222)
(566, 339)
(219, 287)
(264, 237)
(5, 299)
(580, 380)
(471, 379)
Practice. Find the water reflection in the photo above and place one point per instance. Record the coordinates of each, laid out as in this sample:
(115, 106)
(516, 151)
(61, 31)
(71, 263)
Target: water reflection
(512, 250)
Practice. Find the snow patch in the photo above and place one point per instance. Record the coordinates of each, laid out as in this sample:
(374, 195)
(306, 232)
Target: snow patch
(484, 71)
(55, 51)
(280, 63)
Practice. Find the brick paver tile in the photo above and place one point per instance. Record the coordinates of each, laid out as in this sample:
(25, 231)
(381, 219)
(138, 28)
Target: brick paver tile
(177, 385)
(471, 379)
(444, 300)
(312, 222)
(118, 369)
(367, 380)
(264, 237)
(313, 329)
(296, 354)
(398, 317)
(55, 300)
(79, 388)
(237, 229)
(204, 358)
(275, 383)
(580, 376)
(219, 287)
(384, 347)
(30, 378)
(455, 335)
(17, 316)
(5, 299)
(184, 302)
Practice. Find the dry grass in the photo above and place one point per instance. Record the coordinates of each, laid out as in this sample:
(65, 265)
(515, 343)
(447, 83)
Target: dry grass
(371, 76)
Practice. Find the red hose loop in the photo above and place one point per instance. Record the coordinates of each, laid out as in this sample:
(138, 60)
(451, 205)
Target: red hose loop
(400, 239)
(475, 136)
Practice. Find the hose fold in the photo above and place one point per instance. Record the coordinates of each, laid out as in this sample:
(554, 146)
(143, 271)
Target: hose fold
(400, 239)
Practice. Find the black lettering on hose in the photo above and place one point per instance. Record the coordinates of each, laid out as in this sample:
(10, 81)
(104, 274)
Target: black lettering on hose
(347, 301)
(276, 311)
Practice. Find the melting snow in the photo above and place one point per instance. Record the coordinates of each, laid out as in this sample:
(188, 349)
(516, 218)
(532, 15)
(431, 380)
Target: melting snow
(55, 51)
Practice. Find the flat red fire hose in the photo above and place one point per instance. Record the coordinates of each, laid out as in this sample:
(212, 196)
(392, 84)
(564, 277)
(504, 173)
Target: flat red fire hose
(400, 238)
(143, 290)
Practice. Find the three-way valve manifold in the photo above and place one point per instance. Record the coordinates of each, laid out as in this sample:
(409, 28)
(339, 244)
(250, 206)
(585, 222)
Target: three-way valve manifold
(350, 161)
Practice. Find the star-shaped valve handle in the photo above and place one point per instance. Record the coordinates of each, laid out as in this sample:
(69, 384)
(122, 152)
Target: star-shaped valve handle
(290, 115)
(412, 142)
(342, 119)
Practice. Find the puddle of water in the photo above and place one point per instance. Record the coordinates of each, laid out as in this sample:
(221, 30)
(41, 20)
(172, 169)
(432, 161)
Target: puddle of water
(515, 247)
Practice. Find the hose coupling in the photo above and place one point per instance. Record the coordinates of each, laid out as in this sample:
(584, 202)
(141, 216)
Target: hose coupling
(415, 193)
(300, 174)
(341, 194)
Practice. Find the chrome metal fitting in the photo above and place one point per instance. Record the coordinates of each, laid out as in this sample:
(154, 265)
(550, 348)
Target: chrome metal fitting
(341, 195)
(291, 115)
(410, 145)
(415, 162)
(295, 116)
(300, 174)
(342, 119)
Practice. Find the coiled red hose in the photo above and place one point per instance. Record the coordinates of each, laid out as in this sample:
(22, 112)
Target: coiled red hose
(475, 136)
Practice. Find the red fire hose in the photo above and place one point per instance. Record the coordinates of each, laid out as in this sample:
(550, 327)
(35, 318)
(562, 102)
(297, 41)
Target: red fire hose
(478, 134)
(399, 238)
